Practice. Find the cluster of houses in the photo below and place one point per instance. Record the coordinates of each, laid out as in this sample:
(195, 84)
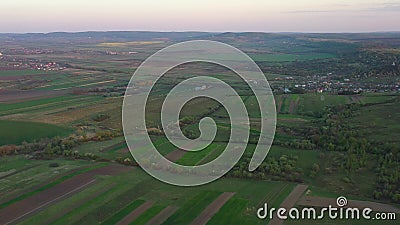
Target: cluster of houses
(321, 84)
(50, 66)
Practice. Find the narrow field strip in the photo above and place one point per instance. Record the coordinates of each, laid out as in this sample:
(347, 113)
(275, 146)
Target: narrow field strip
(73, 105)
(82, 208)
(34, 103)
(51, 184)
(44, 105)
(22, 193)
(59, 189)
(192, 208)
(175, 155)
(212, 209)
(123, 213)
(192, 158)
(18, 171)
(114, 147)
(185, 157)
(55, 108)
(59, 198)
(290, 201)
(135, 214)
(106, 206)
(148, 215)
(62, 208)
(271, 195)
(230, 213)
(161, 217)
(281, 195)
(213, 154)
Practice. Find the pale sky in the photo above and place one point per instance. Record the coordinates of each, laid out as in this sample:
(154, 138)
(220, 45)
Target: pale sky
(200, 15)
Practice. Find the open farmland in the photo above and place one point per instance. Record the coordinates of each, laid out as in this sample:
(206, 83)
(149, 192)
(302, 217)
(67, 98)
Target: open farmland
(136, 192)
(15, 132)
(64, 159)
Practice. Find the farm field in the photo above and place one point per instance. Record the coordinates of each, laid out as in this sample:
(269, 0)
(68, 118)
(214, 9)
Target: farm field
(139, 188)
(64, 158)
(15, 132)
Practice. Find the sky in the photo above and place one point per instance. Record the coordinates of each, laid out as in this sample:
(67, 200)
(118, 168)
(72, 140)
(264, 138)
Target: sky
(24, 16)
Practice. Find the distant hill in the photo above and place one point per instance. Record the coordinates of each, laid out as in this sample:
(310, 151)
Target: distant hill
(108, 36)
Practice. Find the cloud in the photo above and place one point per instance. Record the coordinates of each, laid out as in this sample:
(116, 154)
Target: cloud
(377, 7)
(386, 7)
(313, 11)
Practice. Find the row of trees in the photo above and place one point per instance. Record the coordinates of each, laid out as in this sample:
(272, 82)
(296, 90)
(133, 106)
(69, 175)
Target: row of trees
(47, 147)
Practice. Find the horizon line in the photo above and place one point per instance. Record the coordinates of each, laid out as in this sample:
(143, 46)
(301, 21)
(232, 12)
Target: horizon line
(210, 32)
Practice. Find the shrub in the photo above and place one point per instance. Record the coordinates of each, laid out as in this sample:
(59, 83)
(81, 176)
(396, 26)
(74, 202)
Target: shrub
(53, 165)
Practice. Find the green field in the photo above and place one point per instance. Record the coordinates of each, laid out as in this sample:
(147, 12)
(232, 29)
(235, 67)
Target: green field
(22, 72)
(148, 215)
(192, 208)
(28, 174)
(121, 214)
(290, 57)
(342, 142)
(107, 203)
(15, 132)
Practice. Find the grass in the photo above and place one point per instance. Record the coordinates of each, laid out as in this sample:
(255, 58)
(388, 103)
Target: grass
(192, 158)
(47, 186)
(101, 148)
(289, 57)
(148, 215)
(213, 154)
(47, 106)
(317, 102)
(22, 72)
(126, 191)
(30, 174)
(124, 212)
(100, 203)
(104, 206)
(133, 43)
(15, 132)
(379, 123)
(15, 163)
(306, 158)
(230, 213)
(309, 103)
(62, 207)
(192, 208)
(34, 103)
(80, 211)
